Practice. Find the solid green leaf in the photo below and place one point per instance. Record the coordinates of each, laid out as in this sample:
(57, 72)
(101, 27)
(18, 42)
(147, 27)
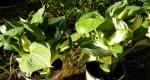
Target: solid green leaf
(140, 33)
(36, 31)
(147, 3)
(145, 24)
(107, 25)
(38, 58)
(117, 49)
(88, 22)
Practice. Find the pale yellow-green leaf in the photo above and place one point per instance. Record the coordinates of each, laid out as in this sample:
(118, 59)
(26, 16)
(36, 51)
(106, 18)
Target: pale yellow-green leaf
(105, 67)
(38, 16)
(106, 59)
(38, 58)
(75, 36)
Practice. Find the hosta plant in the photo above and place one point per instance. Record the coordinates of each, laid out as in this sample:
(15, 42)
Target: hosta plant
(106, 39)
(38, 40)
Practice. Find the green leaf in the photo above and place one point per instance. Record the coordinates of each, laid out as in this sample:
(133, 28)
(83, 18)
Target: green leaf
(121, 10)
(58, 22)
(6, 42)
(25, 43)
(147, 3)
(36, 31)
(137, 23)
(105, 30)
(14, 31)
(117, 49)
(119, 24)
(106, 59)
(116, 9)
(10, 25)
(12, 28)
(128, 12)
(105, 67)
(145, 24)
(38, 16)
(107, 25)
(38, 58)
(7, 46)
(96, 52)
(64, 46)
(140, 33)
(26, 25)
(75, 36)
(132, 10)
(88, 22)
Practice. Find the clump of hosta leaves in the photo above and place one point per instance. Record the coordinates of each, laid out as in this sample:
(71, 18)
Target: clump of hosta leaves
(35, 54)
(31, 38)
(104, 38)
